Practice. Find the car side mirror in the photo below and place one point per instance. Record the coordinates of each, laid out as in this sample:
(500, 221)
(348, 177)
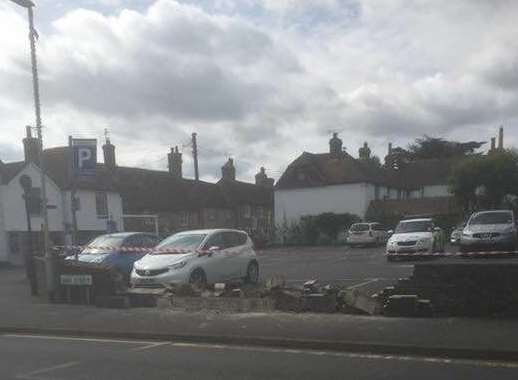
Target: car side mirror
(390, 232)
(437, 229)
(213, 249)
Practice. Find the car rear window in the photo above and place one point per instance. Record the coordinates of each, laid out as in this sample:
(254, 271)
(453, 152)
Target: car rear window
(492, 218)
(360, 227)
(107, 241)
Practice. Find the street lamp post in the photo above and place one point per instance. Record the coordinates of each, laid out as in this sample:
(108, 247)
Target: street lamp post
(28, 4)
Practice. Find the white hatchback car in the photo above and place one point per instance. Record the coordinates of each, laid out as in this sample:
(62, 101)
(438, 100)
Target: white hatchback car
(366, 234)
(198, 257)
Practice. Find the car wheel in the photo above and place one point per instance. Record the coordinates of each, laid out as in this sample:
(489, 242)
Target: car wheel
(198, 279)
(252, 273)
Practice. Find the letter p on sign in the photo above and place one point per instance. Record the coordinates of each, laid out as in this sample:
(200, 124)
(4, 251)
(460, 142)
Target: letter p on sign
(85, 156)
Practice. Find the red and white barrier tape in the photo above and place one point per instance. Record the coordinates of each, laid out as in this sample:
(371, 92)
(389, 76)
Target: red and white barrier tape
(453, 254)
(155, 251)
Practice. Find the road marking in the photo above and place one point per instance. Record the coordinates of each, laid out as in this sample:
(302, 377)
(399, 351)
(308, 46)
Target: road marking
(370, 281)
(33, 375)
(150, 346)
(352, 355)
(97, 340)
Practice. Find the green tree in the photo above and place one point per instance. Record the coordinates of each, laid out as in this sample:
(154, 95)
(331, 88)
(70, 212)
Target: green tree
(432, 147)
(494, 177)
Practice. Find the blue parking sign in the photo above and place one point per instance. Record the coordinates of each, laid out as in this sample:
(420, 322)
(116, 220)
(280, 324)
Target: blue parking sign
(85, 156)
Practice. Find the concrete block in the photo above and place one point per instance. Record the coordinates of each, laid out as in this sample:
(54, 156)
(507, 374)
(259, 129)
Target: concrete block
(401, 306)
(320, 303)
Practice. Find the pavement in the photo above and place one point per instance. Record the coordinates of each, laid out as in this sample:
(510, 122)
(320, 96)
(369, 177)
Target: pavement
(481, 339)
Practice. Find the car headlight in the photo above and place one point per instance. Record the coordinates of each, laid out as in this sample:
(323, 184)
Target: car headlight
(179, 265)
(466, 234)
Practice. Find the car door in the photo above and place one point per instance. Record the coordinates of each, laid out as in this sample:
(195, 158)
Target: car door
(215, 263)
(130, 253)
(234, 253)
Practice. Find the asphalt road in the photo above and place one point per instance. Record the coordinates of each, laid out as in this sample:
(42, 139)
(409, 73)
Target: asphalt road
(365, 268)
(56, 358)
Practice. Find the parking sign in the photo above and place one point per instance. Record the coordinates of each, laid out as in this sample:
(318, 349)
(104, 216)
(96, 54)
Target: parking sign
(85, 156)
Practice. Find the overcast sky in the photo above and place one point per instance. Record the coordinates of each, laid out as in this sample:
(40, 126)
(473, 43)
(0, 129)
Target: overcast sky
(260, 80)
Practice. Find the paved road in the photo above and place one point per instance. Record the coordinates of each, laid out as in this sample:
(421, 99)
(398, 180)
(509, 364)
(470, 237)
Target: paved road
(46, 358)
(366, 268)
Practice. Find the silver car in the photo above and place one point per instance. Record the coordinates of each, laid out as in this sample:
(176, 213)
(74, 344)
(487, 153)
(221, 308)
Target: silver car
(490, 230)
(198, 257)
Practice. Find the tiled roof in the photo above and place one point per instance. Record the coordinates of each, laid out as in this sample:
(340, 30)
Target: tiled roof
(237, 192)
(313, 170)
(9, 170)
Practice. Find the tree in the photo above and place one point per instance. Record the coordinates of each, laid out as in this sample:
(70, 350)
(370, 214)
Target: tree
(431, 147)
(490, 179)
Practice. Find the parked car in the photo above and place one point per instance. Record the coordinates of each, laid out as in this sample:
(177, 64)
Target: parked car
(367, 234)
(111, 250)
(205, 256)
(415, 236)
(490, 230)
(456, 234)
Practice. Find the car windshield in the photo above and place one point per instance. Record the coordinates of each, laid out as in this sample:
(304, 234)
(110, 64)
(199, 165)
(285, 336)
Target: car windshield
(492, 218)
(182, 241)
(359, 227)
(112, 241)
(417, 226)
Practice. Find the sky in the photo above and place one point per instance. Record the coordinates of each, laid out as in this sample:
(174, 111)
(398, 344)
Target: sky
(260, 81)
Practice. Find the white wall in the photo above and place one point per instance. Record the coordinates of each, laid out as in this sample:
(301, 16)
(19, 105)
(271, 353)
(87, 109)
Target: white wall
(14, 205)
(4, 252)
(436, 191)
(87, 219)
(292, 204)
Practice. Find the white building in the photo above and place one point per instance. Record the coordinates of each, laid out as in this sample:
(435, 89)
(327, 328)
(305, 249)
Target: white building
(99, 204)
(336, 182)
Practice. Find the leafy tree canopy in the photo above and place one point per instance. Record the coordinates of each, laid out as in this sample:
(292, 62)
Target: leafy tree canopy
(434, 147)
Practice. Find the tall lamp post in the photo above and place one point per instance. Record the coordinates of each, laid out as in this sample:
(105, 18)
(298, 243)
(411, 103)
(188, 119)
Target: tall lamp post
(28, 4)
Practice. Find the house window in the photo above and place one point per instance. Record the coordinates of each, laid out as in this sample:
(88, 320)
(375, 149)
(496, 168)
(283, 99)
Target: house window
(34, 201)
(101, 205)
(211, 214)
(246, 211)
(183, 218)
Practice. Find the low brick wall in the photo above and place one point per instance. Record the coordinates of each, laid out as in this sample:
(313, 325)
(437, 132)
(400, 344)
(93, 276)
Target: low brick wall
(464, 288)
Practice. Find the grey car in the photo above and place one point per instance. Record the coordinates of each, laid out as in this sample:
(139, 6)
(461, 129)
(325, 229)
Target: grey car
(489, 231)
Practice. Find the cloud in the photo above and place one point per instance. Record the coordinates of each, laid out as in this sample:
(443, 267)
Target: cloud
(263, 80)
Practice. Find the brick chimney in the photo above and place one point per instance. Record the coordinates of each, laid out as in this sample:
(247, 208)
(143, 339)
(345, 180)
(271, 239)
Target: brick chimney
(501, 138)
(175, 161)
(31, 147)
(262, 179)
(228, 171)
(335, 146)
(364, 152)
(109, 155)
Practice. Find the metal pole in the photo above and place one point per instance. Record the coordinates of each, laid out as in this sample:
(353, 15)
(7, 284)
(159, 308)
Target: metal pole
(44, 211)
(195, 157)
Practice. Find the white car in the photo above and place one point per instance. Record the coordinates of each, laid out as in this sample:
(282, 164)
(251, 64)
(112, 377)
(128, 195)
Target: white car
(198, 257)
(366, 234)
(415, 236)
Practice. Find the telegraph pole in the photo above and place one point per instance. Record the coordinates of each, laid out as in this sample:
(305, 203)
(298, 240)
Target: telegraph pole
(195, 157)
(28, 4)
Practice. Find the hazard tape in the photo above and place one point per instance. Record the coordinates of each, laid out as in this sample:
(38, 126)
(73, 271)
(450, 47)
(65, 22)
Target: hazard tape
(453, 254)
(154, 251)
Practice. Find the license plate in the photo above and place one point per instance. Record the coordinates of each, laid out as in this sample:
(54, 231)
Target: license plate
(146, 281)
(76, 279)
